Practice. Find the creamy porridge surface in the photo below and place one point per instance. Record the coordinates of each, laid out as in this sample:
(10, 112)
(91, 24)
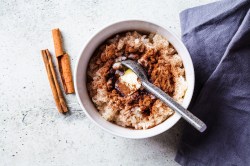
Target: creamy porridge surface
(129, 105)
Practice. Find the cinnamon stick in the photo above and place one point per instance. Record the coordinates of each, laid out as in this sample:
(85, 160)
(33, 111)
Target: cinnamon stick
(64, 69)
(57, 93)
(57, 42)
(63, 62)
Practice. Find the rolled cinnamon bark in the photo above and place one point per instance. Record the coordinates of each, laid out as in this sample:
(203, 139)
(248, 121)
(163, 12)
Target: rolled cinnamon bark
(63, 63)
(66, 74)
(57, 42)
(55, 87)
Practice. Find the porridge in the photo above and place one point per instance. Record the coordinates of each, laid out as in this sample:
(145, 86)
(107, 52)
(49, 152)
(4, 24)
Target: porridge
(117, 92)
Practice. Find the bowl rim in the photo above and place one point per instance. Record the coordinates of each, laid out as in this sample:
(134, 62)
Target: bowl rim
(191, 87)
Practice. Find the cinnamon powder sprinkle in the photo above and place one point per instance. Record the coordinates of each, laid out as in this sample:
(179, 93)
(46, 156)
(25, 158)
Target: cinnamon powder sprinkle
(139, 110)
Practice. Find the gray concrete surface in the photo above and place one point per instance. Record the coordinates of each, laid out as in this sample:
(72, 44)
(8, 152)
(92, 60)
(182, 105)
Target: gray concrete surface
(32, 132)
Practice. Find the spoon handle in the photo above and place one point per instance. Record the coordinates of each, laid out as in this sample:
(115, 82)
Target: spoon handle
(188, 116)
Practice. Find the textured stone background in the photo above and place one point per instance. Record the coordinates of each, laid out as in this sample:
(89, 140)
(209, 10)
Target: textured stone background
(32, 132)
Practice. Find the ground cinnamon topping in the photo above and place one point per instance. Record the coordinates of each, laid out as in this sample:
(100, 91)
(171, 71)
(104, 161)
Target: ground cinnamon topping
(135, 109)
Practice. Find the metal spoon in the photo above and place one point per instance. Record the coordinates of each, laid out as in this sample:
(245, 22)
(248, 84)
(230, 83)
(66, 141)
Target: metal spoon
(188, 116)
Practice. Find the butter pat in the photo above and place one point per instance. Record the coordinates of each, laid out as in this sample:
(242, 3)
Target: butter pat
(130, 79)
(128, 83)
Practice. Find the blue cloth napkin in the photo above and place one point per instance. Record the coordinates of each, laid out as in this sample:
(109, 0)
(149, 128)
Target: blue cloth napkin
(217, 36)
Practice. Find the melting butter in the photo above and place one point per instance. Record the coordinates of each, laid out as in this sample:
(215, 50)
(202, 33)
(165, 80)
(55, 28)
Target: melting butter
(130, 79)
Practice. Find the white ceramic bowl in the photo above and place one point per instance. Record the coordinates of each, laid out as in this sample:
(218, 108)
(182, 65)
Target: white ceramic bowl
(81, 68)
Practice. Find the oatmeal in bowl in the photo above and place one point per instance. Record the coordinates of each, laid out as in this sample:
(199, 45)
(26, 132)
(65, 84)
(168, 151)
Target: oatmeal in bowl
(120, 99)
(112, 96)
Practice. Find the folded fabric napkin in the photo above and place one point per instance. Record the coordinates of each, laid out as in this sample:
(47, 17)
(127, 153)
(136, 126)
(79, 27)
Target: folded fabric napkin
(217, 36)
